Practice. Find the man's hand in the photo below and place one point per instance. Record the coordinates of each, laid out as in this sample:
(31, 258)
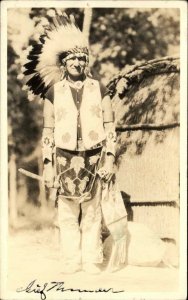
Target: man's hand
(107, 171)
(48, 174)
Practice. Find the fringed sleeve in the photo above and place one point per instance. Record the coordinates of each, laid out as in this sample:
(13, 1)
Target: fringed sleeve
(109, 126)
(48, 131)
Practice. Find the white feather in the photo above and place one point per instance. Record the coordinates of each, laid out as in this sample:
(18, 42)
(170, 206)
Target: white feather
(64, 39)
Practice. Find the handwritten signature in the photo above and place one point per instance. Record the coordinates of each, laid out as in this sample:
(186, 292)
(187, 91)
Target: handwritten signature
(34, 287)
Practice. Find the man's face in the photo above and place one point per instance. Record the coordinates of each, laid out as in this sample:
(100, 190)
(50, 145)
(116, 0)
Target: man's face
(75, 66)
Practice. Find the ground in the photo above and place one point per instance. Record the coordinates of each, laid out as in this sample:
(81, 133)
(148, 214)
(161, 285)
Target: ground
(33, 254)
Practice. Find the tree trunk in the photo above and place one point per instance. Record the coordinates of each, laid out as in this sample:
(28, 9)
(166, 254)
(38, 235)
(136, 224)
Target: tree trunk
(22, 193)
(12, 191)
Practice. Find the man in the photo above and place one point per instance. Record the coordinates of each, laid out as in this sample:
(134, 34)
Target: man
(80, 243)
(78, 140)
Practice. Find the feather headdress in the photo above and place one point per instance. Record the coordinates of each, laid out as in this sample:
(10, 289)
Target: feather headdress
(60, 40)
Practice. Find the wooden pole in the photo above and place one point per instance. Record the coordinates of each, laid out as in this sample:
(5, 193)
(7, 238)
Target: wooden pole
(87, 21)
(146, 126)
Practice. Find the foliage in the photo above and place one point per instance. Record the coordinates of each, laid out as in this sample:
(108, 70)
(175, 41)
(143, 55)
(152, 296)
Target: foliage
(24, 118)
(126, 36)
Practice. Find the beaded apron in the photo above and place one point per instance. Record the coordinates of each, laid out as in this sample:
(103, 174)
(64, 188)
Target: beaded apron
(76, 172)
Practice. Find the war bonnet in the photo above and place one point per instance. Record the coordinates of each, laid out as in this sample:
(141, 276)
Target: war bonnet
(61, 40)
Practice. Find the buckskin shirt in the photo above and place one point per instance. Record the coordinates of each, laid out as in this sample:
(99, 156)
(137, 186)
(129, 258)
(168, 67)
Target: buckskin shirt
(77, 115)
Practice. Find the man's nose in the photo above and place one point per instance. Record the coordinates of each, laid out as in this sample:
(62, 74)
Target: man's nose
(76, 62)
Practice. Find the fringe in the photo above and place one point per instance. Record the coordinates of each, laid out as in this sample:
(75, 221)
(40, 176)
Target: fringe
(118, 256)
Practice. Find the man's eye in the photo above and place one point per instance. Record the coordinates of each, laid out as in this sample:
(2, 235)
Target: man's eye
(82, 59)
